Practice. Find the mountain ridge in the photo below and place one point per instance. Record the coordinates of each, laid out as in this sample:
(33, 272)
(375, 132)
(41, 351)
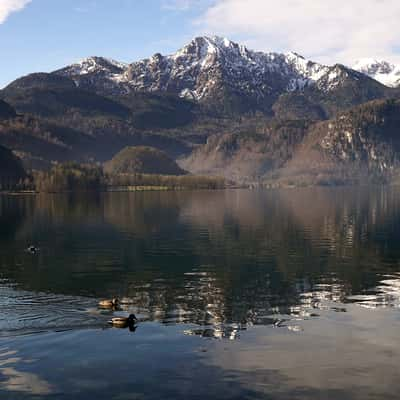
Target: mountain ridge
(214, 106)
(202, 52)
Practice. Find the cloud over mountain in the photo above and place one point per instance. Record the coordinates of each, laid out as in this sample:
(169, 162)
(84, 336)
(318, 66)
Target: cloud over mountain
(7, 7)
(339, 30)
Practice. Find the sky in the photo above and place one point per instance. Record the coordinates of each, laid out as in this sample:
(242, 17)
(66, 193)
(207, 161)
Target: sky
(43, 35)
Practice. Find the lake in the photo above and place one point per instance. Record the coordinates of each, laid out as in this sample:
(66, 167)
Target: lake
(286, 294)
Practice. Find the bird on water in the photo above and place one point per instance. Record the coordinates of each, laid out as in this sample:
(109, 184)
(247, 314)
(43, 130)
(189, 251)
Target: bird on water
(33, 249)
(123, 322)
(110, 303)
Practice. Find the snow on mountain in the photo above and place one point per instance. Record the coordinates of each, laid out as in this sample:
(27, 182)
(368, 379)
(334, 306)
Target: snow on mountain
(98, 68)
(207, 66)
(97, 64)
(196, 68)
(382, 71)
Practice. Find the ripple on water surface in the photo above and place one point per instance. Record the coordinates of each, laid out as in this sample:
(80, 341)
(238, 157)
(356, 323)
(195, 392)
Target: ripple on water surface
(28, 312)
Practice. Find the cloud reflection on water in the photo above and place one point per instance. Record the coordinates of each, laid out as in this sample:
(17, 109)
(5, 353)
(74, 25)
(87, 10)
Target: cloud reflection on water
(15, 380)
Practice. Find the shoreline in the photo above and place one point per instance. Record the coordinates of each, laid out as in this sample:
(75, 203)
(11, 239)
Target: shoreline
(145, 188)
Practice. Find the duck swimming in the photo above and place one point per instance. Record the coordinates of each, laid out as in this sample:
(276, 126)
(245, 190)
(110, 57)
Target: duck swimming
(108, 303)
(32, 249)
(123, 322)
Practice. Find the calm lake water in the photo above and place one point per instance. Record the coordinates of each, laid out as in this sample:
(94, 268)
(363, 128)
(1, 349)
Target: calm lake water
(240, 294)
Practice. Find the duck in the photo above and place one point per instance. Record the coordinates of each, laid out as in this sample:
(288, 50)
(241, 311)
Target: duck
(108, 303)
(33, 249)
(123, 322)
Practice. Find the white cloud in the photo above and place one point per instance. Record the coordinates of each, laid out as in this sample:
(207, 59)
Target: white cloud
(7, 7)
(326, 30)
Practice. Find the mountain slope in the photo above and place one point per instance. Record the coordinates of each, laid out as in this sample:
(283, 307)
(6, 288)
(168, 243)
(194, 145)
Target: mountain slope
(6, 111)
(364, 140)
(47, 95)
(52, 96)
(40, 142)
(142, 160)
(361, 144)
(247, 155)
(349, 88)
(84, 125)
(11, 170)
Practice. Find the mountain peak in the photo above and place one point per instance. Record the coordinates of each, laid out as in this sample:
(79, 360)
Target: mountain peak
(223, 41)
(204, 45)
(94, 64)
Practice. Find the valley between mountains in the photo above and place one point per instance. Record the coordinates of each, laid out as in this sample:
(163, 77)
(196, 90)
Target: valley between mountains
(213, 108)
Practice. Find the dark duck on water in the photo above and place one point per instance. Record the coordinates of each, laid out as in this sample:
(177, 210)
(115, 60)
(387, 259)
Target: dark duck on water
(32, 249)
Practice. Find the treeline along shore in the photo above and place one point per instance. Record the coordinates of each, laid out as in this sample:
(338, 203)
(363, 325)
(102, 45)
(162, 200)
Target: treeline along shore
(72, 177)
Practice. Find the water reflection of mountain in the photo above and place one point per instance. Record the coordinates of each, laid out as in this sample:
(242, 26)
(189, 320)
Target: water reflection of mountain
(214, 258)
(12, 215)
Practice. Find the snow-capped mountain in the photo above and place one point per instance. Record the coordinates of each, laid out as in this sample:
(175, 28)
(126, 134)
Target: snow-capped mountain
(226, 76)
(382, 71)
(207, 63)
(204, 64)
